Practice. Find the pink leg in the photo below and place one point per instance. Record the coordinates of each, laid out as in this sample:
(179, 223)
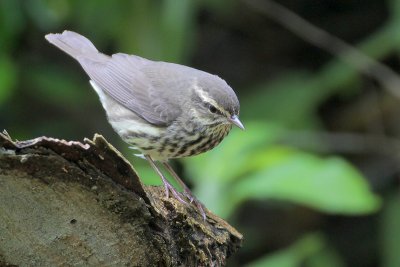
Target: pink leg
(167, 185)
(186, 190)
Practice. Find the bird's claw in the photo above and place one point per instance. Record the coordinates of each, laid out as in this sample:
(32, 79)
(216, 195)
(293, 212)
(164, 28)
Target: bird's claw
(187, 194)
(169, 188)
(193, 200)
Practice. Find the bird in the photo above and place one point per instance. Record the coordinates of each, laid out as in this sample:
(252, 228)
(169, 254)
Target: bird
(162, 110)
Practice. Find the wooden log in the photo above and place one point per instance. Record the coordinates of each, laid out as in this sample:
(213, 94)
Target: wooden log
(83, 204)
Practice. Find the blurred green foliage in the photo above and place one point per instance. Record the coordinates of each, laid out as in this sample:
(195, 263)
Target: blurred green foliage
(43, 92)
(310, 249)
(252, 165)
(391, 232)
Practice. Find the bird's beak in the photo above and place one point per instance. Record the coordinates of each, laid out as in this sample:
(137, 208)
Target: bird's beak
(235, 120)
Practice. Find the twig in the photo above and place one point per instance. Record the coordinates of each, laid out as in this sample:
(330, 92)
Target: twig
(389, 79)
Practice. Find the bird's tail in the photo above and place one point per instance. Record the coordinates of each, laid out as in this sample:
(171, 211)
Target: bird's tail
(73, 44)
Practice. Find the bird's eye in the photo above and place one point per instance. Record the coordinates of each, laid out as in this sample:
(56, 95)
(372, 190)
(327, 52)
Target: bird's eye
(212, 109)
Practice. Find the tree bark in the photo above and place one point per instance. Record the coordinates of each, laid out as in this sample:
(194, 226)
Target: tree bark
(82, 204)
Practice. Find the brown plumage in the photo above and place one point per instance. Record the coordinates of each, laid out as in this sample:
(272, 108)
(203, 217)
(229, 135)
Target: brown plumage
(161, 109)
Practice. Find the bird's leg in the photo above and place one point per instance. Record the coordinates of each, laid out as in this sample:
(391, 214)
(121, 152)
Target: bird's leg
(167, 185)
(186, 190)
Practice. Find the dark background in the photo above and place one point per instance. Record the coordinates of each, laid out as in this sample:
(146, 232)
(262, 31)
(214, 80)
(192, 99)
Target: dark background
(313, 181)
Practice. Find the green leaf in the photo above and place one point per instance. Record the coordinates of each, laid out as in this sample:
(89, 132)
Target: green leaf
(229, 160)
(294, 255)
(326, 257)
(328, 184)
(249, 166)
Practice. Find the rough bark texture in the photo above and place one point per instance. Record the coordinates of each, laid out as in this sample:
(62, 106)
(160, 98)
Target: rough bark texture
(77, 204)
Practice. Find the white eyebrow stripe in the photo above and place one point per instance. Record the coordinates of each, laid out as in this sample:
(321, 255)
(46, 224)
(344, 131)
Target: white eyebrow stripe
(203, 94)
(207, 99)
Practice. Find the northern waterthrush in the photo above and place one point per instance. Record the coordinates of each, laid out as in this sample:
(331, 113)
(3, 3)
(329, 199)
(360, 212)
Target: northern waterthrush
(161, 109)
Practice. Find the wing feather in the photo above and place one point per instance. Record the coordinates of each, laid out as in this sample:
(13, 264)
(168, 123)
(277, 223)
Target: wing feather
(122, 78)
(153, 90)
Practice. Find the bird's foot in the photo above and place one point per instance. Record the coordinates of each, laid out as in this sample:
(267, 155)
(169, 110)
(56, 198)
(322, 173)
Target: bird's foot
(186, 191)
(193, 200)
(170, 188)
(200, 208)
(187, 194)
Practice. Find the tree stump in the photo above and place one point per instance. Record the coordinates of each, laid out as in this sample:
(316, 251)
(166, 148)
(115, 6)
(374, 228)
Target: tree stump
(83, 204)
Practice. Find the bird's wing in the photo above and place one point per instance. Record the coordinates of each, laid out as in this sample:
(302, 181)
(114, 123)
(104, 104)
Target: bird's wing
(122, 77)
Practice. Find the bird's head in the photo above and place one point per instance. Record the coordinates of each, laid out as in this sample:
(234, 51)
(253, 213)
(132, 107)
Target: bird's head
(215, 102)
